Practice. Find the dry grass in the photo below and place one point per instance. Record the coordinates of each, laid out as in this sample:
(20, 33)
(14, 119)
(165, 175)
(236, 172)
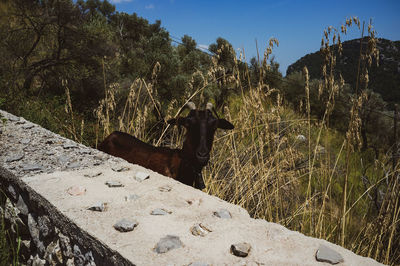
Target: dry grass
(320, 186)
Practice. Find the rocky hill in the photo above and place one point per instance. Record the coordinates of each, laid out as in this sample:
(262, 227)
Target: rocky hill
(384, 79)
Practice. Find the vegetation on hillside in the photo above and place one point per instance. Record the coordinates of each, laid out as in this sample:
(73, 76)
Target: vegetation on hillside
(303, 153)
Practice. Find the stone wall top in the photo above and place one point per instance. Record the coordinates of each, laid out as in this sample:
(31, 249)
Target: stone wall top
(147, 218)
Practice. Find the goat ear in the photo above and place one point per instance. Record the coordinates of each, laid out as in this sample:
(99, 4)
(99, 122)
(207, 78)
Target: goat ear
(180, 121)
(224, 124)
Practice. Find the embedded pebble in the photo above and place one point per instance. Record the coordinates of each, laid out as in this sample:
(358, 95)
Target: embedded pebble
(325, 254)
(63, 159)
(120, 168)
(85, 151)
(131, 197)
(125, 225)
(114, 184)
(13, 118)
(20, 122)
(28, 126)
(70, 146)
(76, 190)
(32, 167)
(91, 175)
(12, 192)
(14, 158)
(99, 207)
(165, 189)
(140, 176)
(21, 205)
(25, 141)
(159, 212)
(240, 249)
(73, 165)
(167, 243)
(50, 152)
(223, 213)
(200, 230)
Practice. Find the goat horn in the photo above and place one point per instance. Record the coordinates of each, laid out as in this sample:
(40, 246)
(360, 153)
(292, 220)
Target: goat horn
(191, 105)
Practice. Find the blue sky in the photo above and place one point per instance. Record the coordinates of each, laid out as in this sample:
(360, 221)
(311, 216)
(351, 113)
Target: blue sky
(297, 24)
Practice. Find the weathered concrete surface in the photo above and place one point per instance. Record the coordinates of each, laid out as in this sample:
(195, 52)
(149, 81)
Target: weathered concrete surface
(270, 244)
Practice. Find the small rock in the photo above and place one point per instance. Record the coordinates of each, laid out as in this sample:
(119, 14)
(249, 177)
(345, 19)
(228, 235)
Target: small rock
(160, 212)
(12, 192)
(70, 146)
(167, 243)
(32, 167)
(325, 254)
(73, 165)
(99, 207)
(241, 249)
(63, 159)
(85, 151)
(15, 158)
(200, 230)
(20, 122)
(65, 245)
(50, 152)
(91, 175)
(28, 126)
(131, 197)
(45, 226)
(36, 261)
(35, 232)
(140, 176)
(165, 189)
(76, 190)
(223, 213)
(120, 168)
(21, 205)
(301, 138)
(114, 184)
(13, 118)
(125, 225)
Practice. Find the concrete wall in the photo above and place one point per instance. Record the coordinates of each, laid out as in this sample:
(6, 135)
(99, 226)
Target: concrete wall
(73, 205)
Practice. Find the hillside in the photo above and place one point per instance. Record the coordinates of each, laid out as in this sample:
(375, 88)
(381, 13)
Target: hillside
(384, 79)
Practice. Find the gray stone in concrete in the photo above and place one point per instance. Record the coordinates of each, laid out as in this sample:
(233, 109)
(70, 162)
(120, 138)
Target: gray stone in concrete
(25, 141)
(73, 165)
(50, 152)
(223, 213)
(94, 174)
(21, 205)
(114, 184)
(36, 261)
(70, 146)
(125, 225)
(35, 232)
(33, 167)
(13, 118)
(160, 212)
(65, 245)
(28, 126)
(12, 192)
(165, 188)
(200, 230)
(325, 254)
(79, 258)
(241, 249)
(140, 176)
(132, 197)
(99, 207)
(14, 158)
(45, 227)
(167, 243)
(120, 168)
